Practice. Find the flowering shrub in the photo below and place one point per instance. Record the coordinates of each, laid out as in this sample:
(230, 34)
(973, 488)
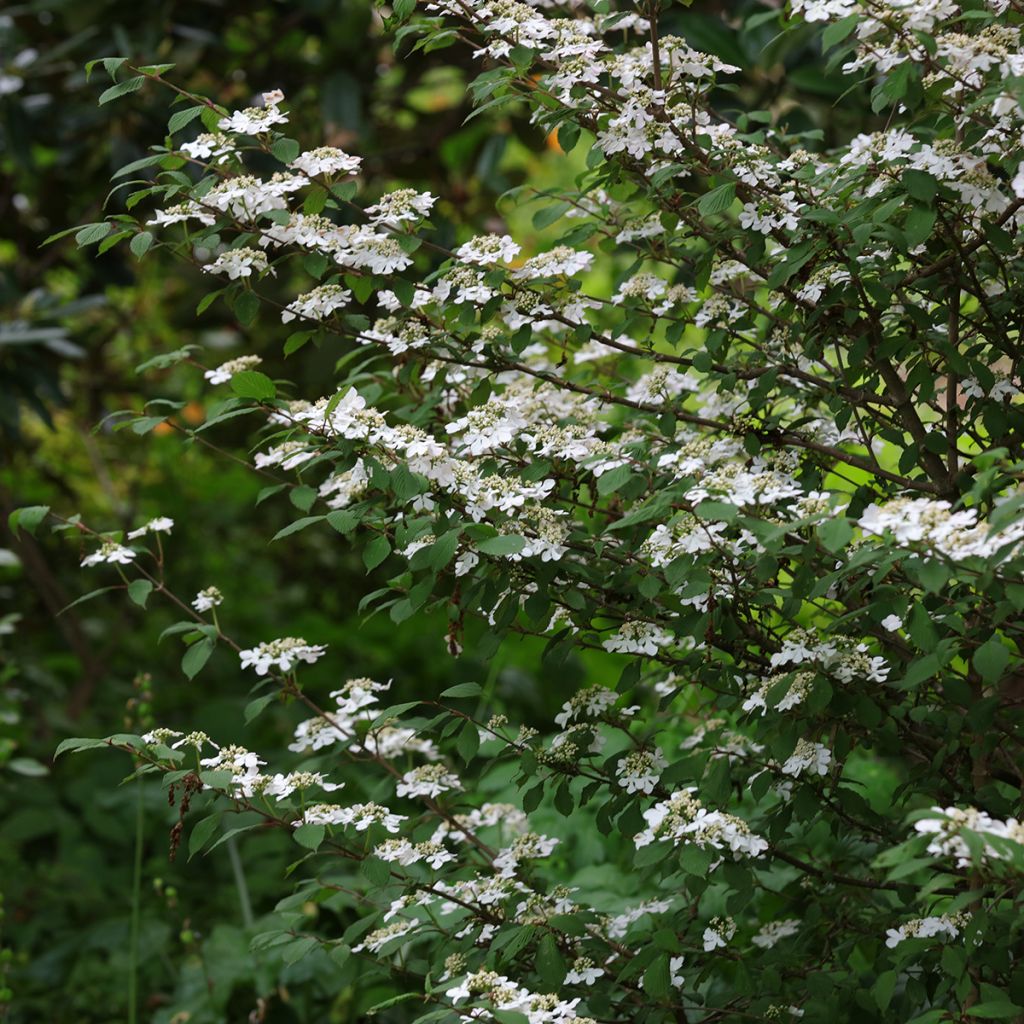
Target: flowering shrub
(749, 421)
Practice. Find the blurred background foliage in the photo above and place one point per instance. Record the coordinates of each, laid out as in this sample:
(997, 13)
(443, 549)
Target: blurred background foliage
(73, 328)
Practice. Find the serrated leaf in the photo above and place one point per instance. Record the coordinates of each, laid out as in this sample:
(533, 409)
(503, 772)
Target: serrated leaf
(990, 660)
(122, 89)
(253, 384)
(180, 118)
(299, 524)
(197, 656)
(27, 518)
(202, 832)
(375, 552)
(503, 544)
(309, 835)
(717, 200)
(255, 707)
(286, 150)
(140, 244)
(76, 744)
(468, 742)
(463, 690)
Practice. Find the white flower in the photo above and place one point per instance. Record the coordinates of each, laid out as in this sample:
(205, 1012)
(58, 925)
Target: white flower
(326, 160)
(223, 373)
(927, 927)
(238, 263)
(583, 972)
(775, 930)
(256, 120)
(212, 145)
(488, 249)
(718, 933)
(162, 524)
(675, 977)
(111, 552)
(429, 780)
(640, 770)
(283, 653)
(892, 623)
(637, 637)
(206, 599)
(807, 756)
(317, 304)
(405, 205)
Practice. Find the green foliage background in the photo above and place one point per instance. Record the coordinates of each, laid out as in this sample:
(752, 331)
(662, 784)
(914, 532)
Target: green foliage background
(74, 327)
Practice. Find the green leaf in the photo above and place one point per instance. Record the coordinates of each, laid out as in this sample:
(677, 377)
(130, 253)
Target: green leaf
(468, 742)
(610, 482)
(657, 979)
(202, 833)
(27, 518)
(503, 544)
(919, 223)
(838, 31)
(197, 656)
(141, 243)
(376, 870)
(299, 524)
(993, 1010)
(375, 552)
(92, 233)
(246, 307)
(990, 660)
(550, 964)
(76, 744)
(255, 707)
(343, 520)
(310, 836)
(717, 200)
(463, 690)
(253, 384)
(835, 533)
(139, 591)
(286, 150)
(181, 118)
(86, 597)
(920, 185)
(302, 497)
(122, 89)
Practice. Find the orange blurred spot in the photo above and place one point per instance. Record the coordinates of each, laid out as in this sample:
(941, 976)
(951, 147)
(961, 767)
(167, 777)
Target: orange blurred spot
(163, 429)
(193, 413)
(552, 141)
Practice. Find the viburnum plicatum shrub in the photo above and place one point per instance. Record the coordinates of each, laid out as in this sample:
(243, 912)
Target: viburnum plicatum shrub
(751, 421)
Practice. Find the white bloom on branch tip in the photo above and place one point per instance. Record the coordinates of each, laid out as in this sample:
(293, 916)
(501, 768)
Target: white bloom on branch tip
(429, 780)
(719, 933)
(238, 263)
(223, 373)
(162, 524)
(110, 552)
(256, 120)
(284, 654)
(326, 160)
(206, 599)
(772, 932)
(640, 771)
(488, 249)
(637, 637)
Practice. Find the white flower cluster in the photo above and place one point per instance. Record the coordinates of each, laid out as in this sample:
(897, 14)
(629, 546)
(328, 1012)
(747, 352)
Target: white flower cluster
(284, 654)
(950, 823)
(683, 819)
(949, 925)
(934, 525)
